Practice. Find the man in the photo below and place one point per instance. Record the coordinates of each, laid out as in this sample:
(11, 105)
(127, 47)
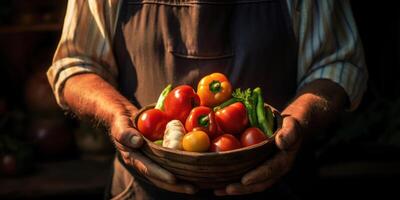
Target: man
(116, 56)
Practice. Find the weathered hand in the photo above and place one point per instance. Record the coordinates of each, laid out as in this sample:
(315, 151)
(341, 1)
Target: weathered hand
(90, 95)
(264, 176)
(127, 139)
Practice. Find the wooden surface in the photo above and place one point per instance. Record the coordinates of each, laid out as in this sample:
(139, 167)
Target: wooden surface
(57, 179)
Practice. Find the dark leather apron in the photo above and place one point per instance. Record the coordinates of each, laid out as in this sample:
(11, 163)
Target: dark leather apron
(159, 42)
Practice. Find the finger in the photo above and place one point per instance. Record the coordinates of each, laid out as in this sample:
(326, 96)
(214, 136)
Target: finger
(149, 169)
(220, 192)
(125, 134)
(288, 136)
(270, 169)
(126, 156)
(240, 189)
(129, 137)
(122, 147)
(179, 188)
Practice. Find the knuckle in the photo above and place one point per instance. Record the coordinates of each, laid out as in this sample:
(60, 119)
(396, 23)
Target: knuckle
(119, 146)
(268, 171)
(127, 160)
(141, 168)
(126, 157)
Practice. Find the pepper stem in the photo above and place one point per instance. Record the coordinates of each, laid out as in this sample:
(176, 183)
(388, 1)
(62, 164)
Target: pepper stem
(215, 86)
(203, 121)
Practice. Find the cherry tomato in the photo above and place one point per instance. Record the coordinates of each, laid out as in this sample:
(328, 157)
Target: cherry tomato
(252, 136)
(225, 142)
(196, 141)
(151, 124)
(204, 118)
(180, 101)
(232, 119)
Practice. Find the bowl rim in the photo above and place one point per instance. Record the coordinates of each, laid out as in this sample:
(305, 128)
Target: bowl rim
(278, 122)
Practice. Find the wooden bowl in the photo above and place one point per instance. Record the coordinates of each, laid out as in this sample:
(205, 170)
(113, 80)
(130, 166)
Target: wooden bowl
(211, 170)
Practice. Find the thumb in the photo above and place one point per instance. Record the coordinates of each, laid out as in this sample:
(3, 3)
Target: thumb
(289, 135)
(125, 134)
(129, 137)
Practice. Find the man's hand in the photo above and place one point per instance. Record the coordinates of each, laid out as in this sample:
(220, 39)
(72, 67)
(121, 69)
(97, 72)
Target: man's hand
(89, 95)
(264, 176)
(316, 105)
(126, 140)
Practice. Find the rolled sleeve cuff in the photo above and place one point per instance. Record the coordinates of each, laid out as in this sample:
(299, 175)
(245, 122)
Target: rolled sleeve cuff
(351, 78)
(65, 68)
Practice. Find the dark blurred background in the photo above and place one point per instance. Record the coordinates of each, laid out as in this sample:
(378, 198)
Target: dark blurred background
(45, 153)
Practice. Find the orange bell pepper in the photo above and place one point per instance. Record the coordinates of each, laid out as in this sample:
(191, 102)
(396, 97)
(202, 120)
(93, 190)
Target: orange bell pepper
(214, 89)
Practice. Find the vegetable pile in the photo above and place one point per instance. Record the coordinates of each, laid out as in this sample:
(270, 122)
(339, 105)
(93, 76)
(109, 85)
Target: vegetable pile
(214, 118)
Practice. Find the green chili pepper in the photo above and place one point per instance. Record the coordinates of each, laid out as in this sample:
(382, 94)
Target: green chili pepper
(225, 104)
(270, 117)
(161, 98)
(253, 117)
(262, 119)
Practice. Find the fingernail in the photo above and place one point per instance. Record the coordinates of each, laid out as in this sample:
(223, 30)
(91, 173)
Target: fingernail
(136, 140)
(167, 177)
(246, 181)
(231, 190)
(189, 190)
(283, 141)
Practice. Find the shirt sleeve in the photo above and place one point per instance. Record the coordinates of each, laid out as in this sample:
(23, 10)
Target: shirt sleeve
(329, 45)
(86, 44)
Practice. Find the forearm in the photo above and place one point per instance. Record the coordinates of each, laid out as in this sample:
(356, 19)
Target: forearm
(88, 95)
(316, 105)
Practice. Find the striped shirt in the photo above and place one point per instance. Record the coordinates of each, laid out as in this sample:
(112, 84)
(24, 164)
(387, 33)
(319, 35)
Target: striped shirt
(329, 46)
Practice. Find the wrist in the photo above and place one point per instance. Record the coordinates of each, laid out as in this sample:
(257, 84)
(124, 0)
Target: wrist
(88, 95)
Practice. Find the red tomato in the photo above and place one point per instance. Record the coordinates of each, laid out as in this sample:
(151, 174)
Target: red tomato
(225, 142)
(180, 101)
(202, 117)
(151, 124)
(232, 119)
(252, 136)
